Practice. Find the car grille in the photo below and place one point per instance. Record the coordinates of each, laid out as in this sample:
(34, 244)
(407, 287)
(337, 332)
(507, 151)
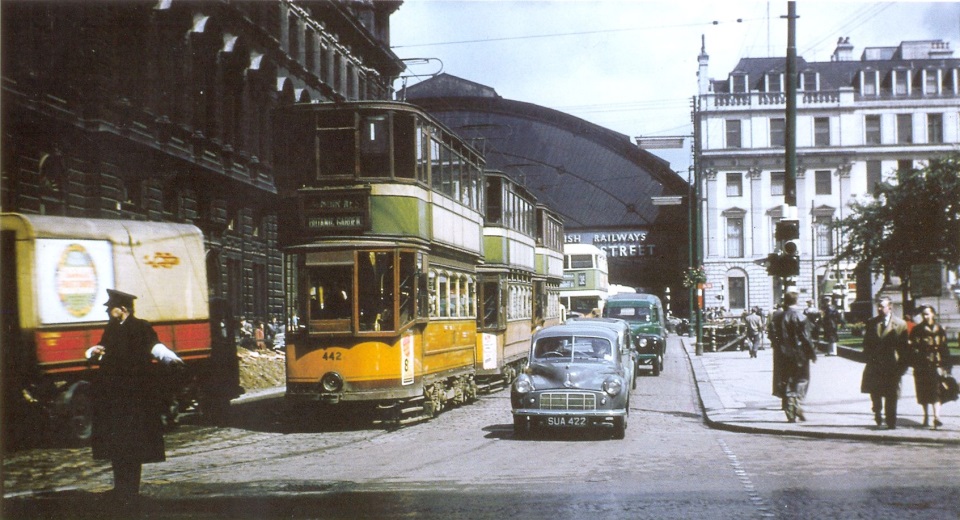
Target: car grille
(568, 401)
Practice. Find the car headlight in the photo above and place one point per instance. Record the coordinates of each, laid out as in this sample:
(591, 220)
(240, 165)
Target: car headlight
(642, 342)
(612, 387)
(523, 385)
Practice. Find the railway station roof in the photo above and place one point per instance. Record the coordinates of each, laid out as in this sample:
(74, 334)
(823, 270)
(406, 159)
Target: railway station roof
(594, 177)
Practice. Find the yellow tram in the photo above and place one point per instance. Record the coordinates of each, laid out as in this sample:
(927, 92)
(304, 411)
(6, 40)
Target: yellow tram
(382, 234)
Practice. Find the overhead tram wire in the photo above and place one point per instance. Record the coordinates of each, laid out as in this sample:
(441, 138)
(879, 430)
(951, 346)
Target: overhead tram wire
(578, 33)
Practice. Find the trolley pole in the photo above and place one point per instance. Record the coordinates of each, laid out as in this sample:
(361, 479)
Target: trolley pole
(790, 132)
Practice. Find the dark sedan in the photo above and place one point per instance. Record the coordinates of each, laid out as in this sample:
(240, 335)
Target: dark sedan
(575, 380)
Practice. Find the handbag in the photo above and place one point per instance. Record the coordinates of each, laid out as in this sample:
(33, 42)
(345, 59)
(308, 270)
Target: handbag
(949, 390)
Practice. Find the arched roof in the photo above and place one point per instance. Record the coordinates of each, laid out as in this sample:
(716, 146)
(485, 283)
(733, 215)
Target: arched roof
(594, 177)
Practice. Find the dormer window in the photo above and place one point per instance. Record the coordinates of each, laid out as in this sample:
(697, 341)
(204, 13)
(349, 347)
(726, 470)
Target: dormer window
(809, 81)
(738, 83)
(868, 83)
(774, 82)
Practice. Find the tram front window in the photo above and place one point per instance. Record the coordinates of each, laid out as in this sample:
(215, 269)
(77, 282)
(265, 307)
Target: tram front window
(375, 290)
(331, 293)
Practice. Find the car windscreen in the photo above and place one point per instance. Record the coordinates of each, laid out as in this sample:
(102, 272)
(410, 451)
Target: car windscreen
(631, 314)
(573, 348)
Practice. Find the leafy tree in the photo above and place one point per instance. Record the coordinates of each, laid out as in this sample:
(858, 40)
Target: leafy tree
(915, 220)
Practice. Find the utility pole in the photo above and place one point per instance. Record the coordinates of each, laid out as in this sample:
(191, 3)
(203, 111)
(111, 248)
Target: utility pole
(790, 132)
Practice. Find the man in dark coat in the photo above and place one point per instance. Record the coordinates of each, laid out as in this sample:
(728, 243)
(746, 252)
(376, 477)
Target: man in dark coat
(885, 349)
(796, 353)
(127, 428)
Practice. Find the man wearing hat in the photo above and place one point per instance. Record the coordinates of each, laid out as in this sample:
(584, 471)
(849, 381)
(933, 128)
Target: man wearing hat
(127, 402)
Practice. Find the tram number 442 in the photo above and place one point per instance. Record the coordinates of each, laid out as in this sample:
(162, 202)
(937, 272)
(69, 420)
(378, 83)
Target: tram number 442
(332, 356)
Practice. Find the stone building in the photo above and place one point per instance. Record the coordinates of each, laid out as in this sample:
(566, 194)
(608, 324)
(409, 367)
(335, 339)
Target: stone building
(858, 121)
(160, 111)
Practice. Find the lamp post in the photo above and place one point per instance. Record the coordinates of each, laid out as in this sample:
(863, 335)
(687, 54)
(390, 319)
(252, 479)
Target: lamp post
(694, 215)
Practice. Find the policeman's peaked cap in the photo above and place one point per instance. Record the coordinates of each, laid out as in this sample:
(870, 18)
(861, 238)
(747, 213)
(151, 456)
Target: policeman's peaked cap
(119, 299)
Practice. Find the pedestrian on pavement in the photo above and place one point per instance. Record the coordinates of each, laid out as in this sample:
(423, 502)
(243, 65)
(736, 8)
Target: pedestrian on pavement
(796, 353)
(127, 401)
(885, 348)
(779, 383)
(754, 328)
(930, 358)
(830, 323)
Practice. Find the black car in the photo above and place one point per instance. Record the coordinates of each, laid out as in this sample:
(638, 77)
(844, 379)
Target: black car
(576, 379)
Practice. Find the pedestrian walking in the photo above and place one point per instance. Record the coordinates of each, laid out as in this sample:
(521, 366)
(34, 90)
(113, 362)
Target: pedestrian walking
(830, 322)
(754, 324)
(779, 383)
(885, 349)
(127, 399)
(796, 353)
(930, 358)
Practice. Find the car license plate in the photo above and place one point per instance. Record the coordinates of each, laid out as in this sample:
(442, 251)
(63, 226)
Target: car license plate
(567, 422)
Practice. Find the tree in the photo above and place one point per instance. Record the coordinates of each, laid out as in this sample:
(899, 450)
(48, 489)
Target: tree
(915, 220)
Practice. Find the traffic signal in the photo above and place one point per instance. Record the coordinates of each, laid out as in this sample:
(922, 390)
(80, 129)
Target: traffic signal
(787, 261)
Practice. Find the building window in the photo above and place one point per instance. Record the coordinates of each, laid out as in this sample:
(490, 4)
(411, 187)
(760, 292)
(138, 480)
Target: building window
(900, 82)
(734, 237)
(931, 82)
(904, 166)
(778, 127)
(773, 82)
(776, 183)
(823, 227)
(869, 83)
(734, 184)
(738, 292)
(293, 34)
(872, 129)
(809, 81)
(739, 83)
(824, 182)
(874, 176)
(821, 131)
(935, 128)
(904, 128)
(733, 133)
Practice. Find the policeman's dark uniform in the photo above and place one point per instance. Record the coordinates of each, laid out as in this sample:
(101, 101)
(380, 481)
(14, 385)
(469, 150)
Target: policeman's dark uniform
(127, 427)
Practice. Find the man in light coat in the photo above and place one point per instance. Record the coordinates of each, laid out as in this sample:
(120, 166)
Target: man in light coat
(885, 349)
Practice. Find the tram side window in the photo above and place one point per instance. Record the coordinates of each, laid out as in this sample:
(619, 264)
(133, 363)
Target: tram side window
(491, 304)
(406, 136)
(408, 278)
(375, 290)
(375, 147)
(494, 201)
(336, 148)
(330, 293)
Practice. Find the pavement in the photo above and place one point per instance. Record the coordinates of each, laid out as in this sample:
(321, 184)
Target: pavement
(735, 392)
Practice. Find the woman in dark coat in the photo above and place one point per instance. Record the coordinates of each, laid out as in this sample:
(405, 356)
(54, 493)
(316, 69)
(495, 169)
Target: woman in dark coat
(127, 403)
(930, 355)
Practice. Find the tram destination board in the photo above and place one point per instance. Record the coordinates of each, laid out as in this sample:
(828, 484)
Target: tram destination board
(336, 211)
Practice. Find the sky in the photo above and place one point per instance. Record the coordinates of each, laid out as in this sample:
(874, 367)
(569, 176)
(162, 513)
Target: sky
(631, 65)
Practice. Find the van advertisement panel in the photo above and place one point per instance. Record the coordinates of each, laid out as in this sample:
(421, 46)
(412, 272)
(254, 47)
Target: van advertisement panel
(72, 280)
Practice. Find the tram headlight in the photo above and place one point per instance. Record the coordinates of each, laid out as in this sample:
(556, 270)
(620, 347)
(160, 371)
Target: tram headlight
(331, 382)
(612, 386)
(524, 385)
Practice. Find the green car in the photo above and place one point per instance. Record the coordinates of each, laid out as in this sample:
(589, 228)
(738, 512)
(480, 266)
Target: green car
(644, 313)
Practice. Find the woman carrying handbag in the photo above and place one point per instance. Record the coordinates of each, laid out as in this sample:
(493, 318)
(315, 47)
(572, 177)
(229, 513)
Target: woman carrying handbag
(931, 361)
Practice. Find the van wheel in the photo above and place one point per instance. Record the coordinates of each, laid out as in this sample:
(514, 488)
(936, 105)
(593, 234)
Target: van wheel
(656, 366)
(78, 421)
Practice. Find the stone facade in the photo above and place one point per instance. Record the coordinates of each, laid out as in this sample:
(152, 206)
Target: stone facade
(161, 111)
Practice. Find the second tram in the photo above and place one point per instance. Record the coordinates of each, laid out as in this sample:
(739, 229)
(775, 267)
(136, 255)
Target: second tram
(585, 285)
